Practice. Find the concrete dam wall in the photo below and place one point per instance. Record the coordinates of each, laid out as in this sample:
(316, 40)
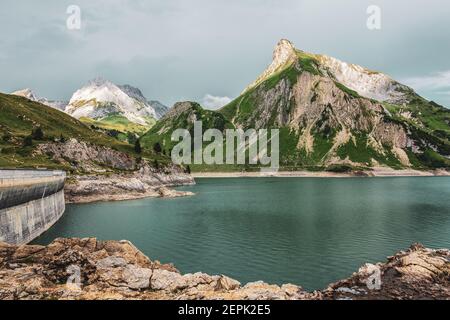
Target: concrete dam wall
(31, 201)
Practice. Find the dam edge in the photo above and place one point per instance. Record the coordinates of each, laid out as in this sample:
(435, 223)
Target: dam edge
(31, 201)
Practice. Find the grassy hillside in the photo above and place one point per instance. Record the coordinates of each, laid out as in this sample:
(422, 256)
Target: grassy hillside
(270, 104)
(119, 127)
(182, 116)
(20, 119)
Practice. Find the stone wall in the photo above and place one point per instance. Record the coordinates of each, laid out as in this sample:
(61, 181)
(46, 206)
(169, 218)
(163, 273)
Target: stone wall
(31, 201)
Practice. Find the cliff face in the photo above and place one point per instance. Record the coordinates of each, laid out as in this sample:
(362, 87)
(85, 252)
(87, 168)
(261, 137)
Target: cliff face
(117, 270)
(112, 175)
(85, 156)
(330, 113)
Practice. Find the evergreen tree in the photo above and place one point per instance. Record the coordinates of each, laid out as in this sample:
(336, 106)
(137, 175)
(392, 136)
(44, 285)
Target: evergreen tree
(28, 141)
(37, 134)
(137, 146)
(157, 147)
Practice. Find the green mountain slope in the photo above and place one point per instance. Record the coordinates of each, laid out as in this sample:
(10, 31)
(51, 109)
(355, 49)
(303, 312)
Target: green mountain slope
(326, 123)
(20, 119)
(182, 116)
(119, 127)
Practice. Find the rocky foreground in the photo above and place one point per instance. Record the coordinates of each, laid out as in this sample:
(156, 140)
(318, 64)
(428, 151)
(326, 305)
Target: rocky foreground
(91, 269)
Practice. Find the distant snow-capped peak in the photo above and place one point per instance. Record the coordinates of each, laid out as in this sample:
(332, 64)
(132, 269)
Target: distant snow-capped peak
(26, 93)
(29, 94)
(101, 98)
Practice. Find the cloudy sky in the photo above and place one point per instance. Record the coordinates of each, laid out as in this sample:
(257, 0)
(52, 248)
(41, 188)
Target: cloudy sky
(209, 50)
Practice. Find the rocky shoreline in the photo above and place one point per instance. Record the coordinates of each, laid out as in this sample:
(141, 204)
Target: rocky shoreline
(376, 172)
(104, 174)
(119, 187)
(143, 183)
(88, 269)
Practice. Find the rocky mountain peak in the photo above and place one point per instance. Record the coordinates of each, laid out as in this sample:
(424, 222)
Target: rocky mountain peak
(133, 92)
(368, 83)
(100, 98)
(98, 82)
(283, 54)
(333, 108)
(26, 93)
(179, 108)
(31, 95)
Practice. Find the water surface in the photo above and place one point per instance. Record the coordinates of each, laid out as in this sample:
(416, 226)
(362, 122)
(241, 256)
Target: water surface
(306, 231)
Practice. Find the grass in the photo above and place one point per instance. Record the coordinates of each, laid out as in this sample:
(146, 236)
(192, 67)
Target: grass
(363, 153)
(20, 116)
(347, 90)
(242, 109)
(162, 131)
(119, 123)
(308, 62)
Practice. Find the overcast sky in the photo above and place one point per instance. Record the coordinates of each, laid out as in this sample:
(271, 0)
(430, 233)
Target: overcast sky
(209, 50)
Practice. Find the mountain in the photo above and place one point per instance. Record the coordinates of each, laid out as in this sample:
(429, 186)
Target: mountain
(135, 93)
(331, 113)
(115, 108)
(160, 109)
(182, 115)
(25, 125)
(29, 94)
(26, 93)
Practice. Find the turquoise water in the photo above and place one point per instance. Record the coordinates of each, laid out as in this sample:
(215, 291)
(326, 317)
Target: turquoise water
(306, 231)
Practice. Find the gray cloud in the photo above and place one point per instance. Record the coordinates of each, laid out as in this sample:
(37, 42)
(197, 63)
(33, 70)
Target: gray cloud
(438, 80)
(213, 103)
(180, 50)
(433, 86)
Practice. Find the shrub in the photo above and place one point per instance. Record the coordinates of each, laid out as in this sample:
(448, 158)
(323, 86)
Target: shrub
(131, 138)
(157, 147)
(37, 134)
(339, 168)
(28, 141)
(137, 146)
(7, 137)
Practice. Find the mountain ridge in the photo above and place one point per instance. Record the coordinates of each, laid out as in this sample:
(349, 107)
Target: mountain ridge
(121, 111)
(100, 98)
(335, 113)
(31, 95)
